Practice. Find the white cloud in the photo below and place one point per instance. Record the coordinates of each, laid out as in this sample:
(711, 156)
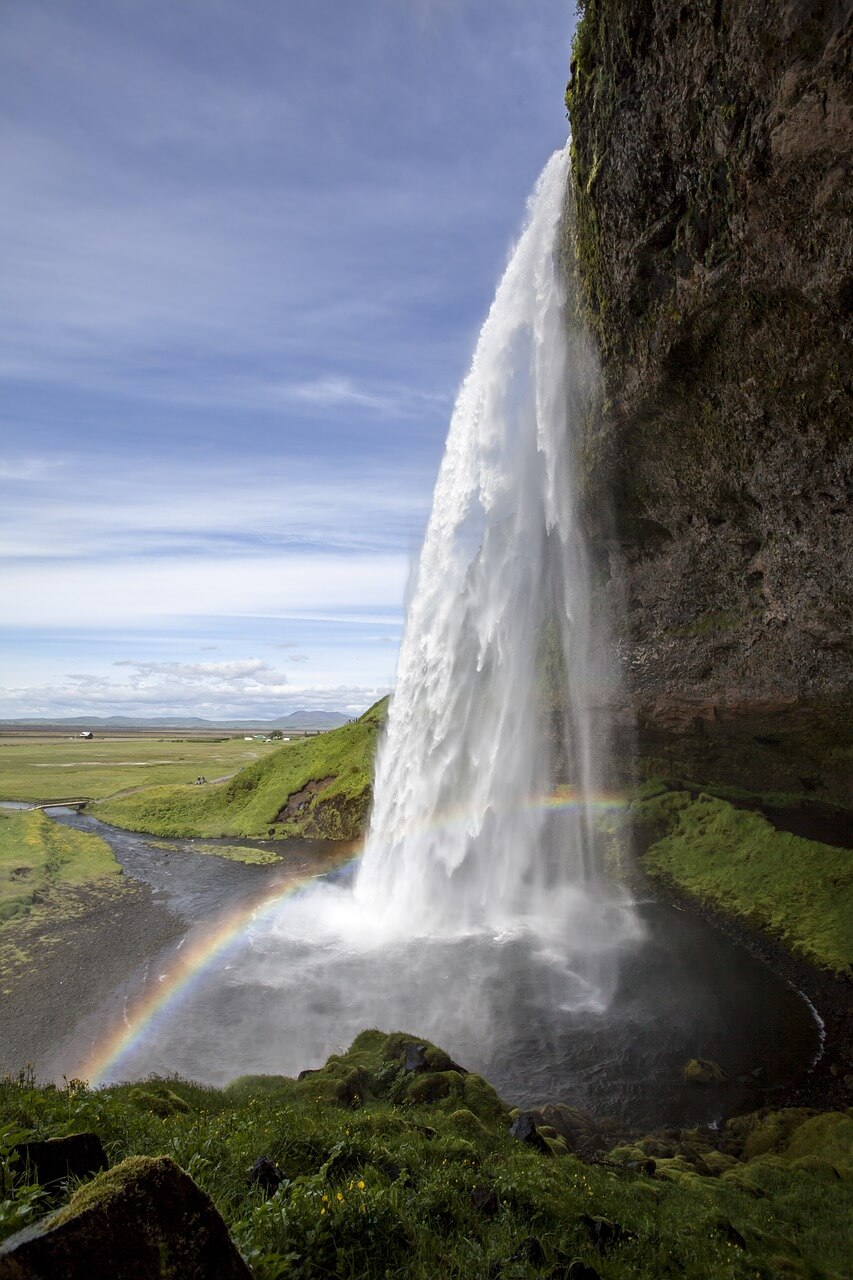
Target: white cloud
(94, 507)
(154, 691)
(244, 671)
(147, 590)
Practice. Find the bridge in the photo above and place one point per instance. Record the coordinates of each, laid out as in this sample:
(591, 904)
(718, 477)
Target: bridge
(74, 802)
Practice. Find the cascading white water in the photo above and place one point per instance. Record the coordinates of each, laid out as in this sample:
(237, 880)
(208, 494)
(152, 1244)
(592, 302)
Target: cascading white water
(459, 836)
(477, 918)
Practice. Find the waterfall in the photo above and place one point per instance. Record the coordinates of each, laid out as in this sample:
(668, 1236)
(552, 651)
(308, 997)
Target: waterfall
(478, 918)
(462, 834)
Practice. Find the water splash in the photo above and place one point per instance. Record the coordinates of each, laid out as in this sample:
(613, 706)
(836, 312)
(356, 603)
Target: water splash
(478, 917)
(503, 567)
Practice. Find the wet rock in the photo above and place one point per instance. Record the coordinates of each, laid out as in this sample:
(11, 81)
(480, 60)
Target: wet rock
(266, 1174)
(523, 1129)
(576, 1269)
(143, 1220)
(602, 1231)
(80, 1155)
(703, 1071)
(416, 1057)
(530, 1251)
(485, 1200)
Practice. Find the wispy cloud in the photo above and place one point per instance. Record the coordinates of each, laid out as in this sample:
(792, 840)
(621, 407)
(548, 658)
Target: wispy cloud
(147, 592)
(154, 693)
(243, 272)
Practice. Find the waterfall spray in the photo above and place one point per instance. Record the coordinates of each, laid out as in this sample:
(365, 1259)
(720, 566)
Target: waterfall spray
(454, 840)
(477, 918)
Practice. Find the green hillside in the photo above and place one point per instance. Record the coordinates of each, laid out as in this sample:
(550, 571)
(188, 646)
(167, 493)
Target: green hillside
(317, 787)
(379, 1169)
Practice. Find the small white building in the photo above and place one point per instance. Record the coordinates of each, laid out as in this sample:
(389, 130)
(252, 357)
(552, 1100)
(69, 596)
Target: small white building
(87, 733)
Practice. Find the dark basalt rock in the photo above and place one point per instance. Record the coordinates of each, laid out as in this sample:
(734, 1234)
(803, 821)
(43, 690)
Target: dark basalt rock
(266, 1174)
(80, 1155)
(601, 1230)
(709, 210)
(703, 1071)
(523, 1129)
(143, 1220)
(530, 1251)
(416, 1057)
(485, 1200)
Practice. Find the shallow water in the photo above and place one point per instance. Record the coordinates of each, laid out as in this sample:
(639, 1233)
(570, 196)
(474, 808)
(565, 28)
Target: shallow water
(308, 973)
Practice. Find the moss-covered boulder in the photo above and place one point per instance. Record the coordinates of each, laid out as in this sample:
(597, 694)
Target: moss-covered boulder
(144, 1220)
(703, 1071)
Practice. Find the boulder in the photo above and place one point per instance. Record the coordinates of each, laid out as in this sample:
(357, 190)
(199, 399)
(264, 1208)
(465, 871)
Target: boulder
(266, 1174)
(416, 1057)
(703, 1071)
(143, 1220)
(523, 1129)
(80, 1155)
(485, 1200)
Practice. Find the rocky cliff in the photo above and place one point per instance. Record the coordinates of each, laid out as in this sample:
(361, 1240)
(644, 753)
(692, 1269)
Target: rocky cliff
(710, 205)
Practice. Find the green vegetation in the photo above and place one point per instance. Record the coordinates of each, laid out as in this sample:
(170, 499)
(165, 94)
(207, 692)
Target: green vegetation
(318, 787)
(232, 852)
(37, 856)
(387, 1172)
(799, 890)
(41, 768)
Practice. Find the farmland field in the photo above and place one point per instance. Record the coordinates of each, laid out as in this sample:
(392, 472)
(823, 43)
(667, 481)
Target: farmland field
(52, 767)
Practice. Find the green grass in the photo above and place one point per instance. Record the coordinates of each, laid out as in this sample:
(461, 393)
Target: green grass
(231, 852)
(380, 1184)
(38, 856)
(799, 890)
(250, 802)
(41, 769)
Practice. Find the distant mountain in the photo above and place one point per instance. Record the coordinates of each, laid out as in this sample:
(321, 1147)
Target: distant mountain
(296, 720)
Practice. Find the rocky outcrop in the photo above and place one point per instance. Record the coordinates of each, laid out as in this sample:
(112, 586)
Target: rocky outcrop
(145, 1218)
(710, 206)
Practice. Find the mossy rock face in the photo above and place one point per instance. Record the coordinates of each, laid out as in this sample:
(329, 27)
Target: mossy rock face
(763, 1132)
(159, 1101)
(709, 217)
(144, 1220)
(827, 1137)
(435, 1086)
(703, 1071)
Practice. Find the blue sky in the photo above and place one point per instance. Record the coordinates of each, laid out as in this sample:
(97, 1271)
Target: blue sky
(248, 245)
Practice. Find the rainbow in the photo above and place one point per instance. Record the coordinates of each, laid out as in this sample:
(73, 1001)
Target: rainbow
(229, 931)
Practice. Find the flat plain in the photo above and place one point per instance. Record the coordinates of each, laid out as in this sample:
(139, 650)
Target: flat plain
(42, 767)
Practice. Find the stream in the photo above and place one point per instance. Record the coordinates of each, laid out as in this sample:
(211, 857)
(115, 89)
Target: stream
(277, 996)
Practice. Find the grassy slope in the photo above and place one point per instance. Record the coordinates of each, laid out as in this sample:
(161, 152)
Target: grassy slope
(47, 769)
(799, 890)
(247, 804)
(380, 1170)
(37, 856)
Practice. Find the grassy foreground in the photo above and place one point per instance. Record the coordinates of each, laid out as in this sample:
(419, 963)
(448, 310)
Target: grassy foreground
(336, 768)
(395, 1173)
(39, 769)
(800, 891)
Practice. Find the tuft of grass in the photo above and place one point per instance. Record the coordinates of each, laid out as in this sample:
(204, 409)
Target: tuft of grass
(799, 890)
(340, 762)
(377, 1183)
